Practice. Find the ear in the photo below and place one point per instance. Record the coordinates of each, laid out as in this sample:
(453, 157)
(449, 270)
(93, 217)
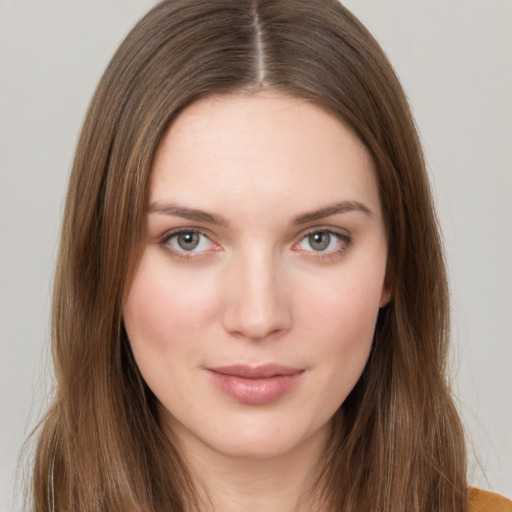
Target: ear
(386, 297)
(387, 286)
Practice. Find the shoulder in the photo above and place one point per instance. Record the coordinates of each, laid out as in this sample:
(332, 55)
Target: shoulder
(484, 501)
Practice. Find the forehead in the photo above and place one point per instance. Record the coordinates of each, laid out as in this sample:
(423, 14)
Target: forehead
(266, 147)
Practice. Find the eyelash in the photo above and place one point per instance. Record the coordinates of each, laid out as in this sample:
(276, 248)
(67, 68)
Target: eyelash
(184, 255)
(343, 239)
(344, 242)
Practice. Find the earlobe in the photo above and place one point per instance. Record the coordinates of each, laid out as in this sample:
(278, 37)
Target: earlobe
(385, 298)
(387, 286)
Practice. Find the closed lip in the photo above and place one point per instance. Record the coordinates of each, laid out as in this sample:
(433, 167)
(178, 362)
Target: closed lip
(264, 371)
(254, 385)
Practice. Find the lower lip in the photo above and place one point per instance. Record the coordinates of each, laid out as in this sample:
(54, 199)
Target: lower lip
(254, 391)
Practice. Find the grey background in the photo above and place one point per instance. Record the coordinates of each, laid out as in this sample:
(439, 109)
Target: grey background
(454, 58)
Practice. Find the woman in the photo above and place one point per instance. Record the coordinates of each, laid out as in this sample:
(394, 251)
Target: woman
(250, 304)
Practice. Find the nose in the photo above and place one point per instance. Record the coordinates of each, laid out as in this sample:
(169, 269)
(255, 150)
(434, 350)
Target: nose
(257, 305)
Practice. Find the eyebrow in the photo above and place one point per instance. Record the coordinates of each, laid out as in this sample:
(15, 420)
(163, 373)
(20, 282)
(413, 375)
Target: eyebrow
(219, 220)
(188, 213)
(343, 207)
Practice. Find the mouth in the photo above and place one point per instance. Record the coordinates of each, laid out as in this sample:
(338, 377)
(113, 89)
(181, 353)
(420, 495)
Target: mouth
(254, 385)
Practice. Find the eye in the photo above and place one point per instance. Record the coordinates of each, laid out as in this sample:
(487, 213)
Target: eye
(324, 241)
(189, 241)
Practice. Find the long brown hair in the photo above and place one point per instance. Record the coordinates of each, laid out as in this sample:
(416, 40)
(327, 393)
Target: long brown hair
(397, 442)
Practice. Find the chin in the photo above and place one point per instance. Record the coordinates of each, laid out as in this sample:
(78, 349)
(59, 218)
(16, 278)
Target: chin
(253, 436)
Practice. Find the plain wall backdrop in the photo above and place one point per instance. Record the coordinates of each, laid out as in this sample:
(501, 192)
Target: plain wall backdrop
(455, 61)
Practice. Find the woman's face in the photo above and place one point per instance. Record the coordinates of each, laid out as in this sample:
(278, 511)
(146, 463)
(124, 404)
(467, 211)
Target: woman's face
(252, 311)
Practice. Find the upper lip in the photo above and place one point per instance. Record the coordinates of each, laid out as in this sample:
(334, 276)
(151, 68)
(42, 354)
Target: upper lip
(256, 372)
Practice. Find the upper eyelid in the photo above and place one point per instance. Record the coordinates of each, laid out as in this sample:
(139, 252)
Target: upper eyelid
(325, 229)
(176, 231)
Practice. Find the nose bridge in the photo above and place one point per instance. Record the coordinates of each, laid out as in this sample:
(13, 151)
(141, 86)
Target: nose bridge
(258, 304)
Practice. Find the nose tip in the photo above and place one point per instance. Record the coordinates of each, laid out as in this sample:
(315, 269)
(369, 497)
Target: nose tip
(257, 306)
(255, 324)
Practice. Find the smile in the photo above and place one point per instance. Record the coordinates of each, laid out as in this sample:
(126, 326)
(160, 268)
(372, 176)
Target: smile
(254, 385)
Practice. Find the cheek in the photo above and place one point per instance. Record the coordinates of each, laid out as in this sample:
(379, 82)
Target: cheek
(166, 316)
(347, 303)
(339, 318)
(163, 309)
(348, 327)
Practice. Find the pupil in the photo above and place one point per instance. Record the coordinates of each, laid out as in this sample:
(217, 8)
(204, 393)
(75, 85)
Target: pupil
(319, 241)
(188, 241)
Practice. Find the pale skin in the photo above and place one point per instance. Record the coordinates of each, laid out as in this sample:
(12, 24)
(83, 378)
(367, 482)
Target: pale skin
(266, 245)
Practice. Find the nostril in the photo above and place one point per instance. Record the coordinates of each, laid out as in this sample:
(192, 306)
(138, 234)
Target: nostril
(266, 319)
(255, 331)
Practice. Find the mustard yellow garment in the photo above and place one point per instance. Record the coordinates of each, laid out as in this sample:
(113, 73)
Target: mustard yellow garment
(484, 501)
